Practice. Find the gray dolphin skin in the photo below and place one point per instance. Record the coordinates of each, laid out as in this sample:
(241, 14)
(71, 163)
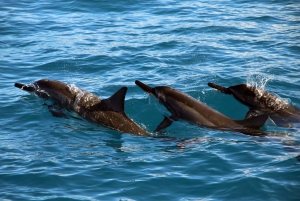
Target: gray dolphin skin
(185, 107)
(261, 101)
(107, 112)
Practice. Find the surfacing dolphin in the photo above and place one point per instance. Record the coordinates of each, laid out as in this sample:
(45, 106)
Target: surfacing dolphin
(261, 101)
(107, 112)
(183, 106)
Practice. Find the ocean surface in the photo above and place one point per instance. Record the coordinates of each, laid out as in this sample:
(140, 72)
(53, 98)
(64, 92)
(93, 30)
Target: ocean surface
(101, 46)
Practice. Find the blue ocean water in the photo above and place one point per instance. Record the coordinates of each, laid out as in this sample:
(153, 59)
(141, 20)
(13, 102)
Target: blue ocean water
(103, 45)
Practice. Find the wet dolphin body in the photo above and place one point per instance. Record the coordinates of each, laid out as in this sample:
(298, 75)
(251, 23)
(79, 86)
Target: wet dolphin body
(108, 112)
(261, 101)
(183, 106)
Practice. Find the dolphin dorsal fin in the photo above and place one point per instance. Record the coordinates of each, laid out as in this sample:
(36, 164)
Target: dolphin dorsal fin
(116, 101)
(254, 122)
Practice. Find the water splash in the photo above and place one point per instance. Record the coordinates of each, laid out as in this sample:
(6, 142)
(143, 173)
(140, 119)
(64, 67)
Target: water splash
(83, 98)
(273, 101)
(258, 80)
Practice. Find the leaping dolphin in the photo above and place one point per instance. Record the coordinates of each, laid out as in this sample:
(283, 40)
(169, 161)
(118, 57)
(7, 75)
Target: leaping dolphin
(183, 106)
(107, 112)
(261, 101)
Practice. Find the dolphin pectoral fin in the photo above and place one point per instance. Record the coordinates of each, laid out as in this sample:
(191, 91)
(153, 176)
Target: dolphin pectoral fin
(219, 88)
(145, 87)
(254, 122)
(252, 113)
(56, 111)
(281, 121)
(165, 123)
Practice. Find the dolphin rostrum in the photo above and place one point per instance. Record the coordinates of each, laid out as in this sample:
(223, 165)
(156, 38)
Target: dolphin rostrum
(107, 112)
(261, 101)
(183, 106)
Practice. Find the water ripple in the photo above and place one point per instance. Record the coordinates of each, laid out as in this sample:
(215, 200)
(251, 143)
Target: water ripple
(103, 45)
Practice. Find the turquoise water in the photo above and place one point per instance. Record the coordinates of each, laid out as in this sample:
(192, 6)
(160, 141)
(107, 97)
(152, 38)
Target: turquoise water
(102, 46)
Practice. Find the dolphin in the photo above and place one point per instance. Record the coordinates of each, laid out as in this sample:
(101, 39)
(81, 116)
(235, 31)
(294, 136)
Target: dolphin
(185, 107)
(261, 101)
(107, 112)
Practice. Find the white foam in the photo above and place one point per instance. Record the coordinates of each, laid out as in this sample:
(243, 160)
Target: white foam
(258, 80)
(82, 97)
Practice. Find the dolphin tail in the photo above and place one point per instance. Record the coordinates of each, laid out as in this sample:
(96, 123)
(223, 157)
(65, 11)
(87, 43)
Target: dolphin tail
(145, 87)
(24, 87)
(220, 88)
(254, 122)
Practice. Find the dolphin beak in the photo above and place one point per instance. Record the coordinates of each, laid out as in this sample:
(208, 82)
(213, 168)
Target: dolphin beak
(24, 87)
(145, 87)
